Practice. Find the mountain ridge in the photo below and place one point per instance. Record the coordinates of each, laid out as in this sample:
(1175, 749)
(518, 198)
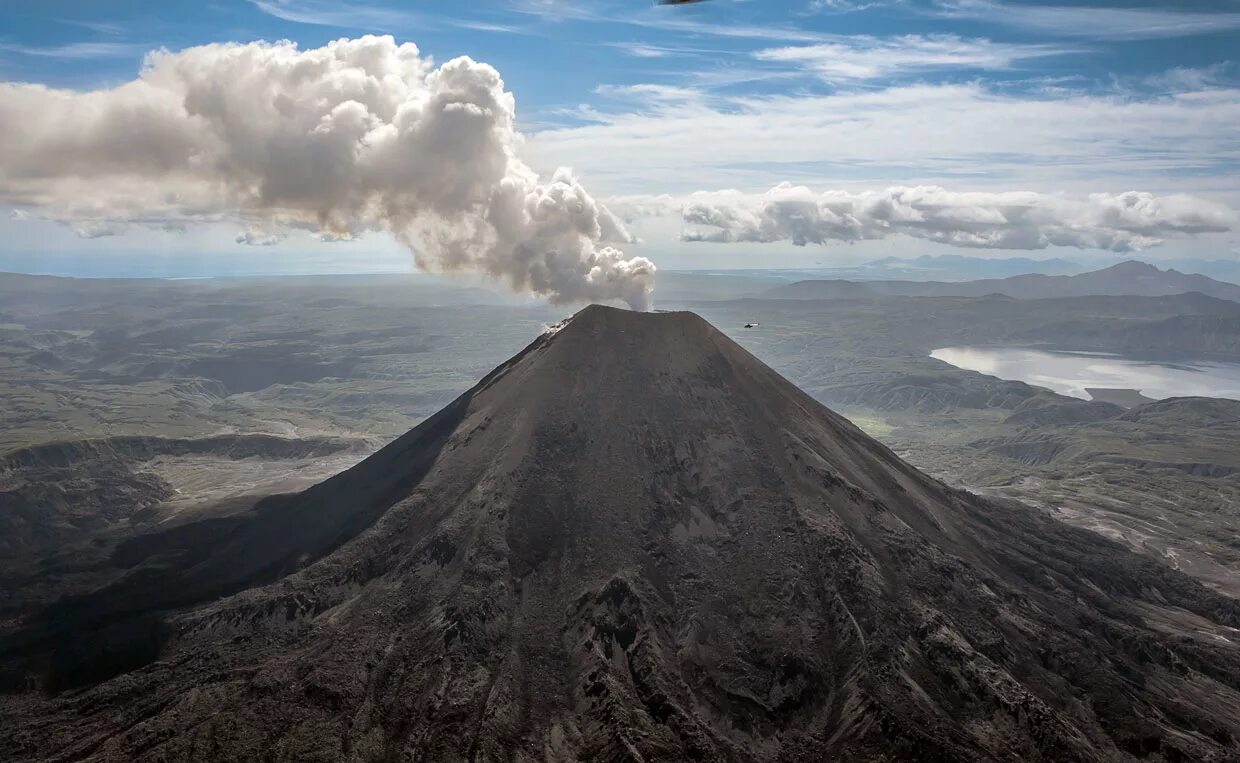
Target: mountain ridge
(1128, 278)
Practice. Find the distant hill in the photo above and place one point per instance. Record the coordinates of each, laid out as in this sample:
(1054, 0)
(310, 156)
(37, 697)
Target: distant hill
(1130, 278)
(957, 267)
(1218, 269)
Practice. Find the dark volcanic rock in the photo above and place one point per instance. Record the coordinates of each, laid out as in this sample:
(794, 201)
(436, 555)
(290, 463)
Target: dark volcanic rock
(633, 542)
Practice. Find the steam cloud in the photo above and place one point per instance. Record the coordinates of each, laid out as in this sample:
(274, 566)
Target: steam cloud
(1120, 223)
(355, 136)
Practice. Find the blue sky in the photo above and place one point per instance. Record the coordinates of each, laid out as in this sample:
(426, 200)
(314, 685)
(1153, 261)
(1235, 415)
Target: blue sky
(1057, 98)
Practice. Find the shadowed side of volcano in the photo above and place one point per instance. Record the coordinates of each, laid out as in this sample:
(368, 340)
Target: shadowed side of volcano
(85, 639)
(635, 541)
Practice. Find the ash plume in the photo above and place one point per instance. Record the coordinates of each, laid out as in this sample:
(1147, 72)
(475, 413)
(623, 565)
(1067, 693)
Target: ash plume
(358, 135)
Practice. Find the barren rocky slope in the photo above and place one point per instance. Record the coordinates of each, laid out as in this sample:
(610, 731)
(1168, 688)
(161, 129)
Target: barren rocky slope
(633, 541)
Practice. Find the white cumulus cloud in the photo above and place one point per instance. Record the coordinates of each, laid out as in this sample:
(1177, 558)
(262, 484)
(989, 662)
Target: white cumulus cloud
(987, 220)
(253, 237)
(357, 135)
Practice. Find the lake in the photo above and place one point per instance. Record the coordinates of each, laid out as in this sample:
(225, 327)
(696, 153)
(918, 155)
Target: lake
(1070, 373)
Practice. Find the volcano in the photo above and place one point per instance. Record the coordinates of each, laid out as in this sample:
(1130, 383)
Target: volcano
(631, 542)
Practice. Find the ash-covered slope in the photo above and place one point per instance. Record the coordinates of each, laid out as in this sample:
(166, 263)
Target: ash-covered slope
(634, 541)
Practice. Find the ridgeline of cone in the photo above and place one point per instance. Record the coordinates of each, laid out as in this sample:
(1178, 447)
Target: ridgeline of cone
(634, 541)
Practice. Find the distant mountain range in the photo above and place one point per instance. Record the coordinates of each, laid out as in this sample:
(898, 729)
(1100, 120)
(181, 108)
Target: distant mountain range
(1222, 270)
(957, 267)
(1130, 278)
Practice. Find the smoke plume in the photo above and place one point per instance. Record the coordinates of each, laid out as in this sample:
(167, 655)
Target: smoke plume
(359, 135)
(1013, 220)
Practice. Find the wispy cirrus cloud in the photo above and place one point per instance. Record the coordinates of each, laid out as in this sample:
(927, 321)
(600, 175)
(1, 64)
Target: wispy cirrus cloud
(863, 57)
(651, 94)
(76, 51)
(912, 134)
(644, 50)
(344, 15)
(94, 25)
(848, 6)
(1188, 78)
(658, 18)
(488, 26)
(372, 18)
(650, 50)
(1093, 22)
